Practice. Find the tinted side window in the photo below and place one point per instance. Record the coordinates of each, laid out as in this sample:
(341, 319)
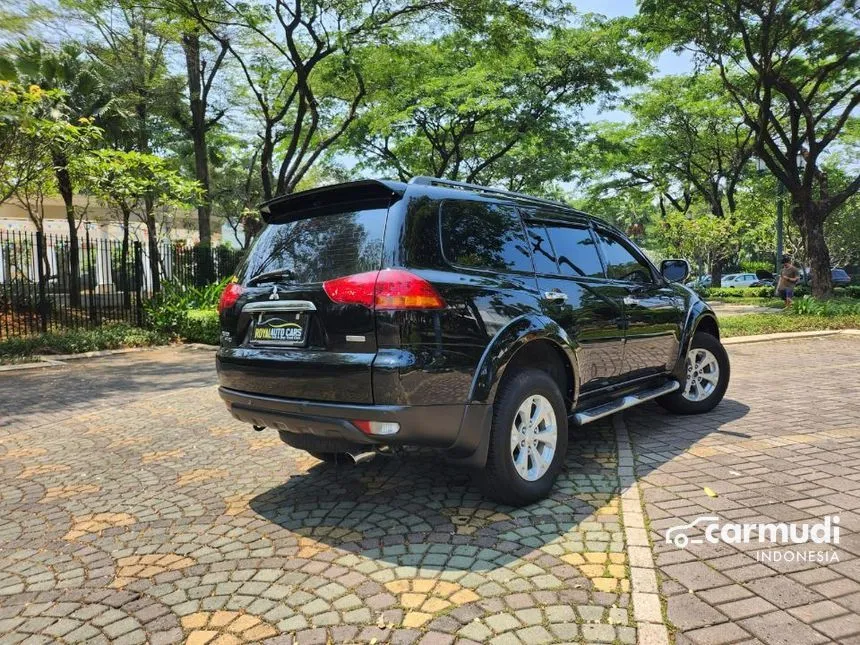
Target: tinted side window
(575, 251)
(621, 263)
(543, 254)
(484, 236)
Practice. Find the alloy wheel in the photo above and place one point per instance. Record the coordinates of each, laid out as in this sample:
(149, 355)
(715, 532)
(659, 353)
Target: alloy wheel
(533, 437)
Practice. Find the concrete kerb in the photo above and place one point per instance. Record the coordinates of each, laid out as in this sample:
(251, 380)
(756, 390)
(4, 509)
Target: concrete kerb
(789, 335)
(644, 587)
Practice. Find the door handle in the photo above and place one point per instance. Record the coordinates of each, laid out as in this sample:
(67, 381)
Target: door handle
(555, 296)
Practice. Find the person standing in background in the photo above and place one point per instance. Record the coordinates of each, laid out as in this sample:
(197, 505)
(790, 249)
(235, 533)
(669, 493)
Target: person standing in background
(788, 278)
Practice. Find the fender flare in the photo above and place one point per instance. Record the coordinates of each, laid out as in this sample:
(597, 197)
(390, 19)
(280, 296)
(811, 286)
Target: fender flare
(698, 312)
(473, 440)
(505, 344)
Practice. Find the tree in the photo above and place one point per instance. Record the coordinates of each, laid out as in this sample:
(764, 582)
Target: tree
(32, 135)
(125, 38)
(236, 187)
(21, 110)
(473, 109)
(132, 182)
(686, 141)
(82, 97)
(299, 61)
(700, 236)
(791, 68)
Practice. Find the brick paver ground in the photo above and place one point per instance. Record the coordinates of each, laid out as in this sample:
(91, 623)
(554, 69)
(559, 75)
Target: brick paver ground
(133, 509)
(784, 446)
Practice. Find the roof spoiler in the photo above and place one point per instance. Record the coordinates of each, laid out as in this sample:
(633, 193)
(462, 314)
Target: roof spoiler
(328, 199)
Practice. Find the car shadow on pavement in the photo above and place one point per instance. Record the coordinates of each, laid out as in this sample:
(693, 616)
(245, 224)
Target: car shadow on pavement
(417, 513)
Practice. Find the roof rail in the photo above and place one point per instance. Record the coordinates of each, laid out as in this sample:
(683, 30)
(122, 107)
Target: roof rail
(436, 181)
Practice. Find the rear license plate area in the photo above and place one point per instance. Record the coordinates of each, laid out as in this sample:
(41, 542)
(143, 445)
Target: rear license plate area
(282, 328)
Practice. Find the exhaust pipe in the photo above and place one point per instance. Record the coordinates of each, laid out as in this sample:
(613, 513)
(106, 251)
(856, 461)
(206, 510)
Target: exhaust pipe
(362, 457)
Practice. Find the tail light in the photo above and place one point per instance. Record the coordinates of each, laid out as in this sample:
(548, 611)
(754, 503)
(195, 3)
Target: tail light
(392, 289)
(229, 296)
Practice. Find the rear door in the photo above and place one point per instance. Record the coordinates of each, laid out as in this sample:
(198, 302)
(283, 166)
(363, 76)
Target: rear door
(287, 337)
(652, 309)
(577, 296)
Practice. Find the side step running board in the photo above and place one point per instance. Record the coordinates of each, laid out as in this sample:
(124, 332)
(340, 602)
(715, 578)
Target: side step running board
(593, 414)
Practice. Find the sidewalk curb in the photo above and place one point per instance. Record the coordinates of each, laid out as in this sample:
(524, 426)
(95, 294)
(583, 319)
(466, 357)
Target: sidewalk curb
(58, 360)
(645, 587)
(788, 335)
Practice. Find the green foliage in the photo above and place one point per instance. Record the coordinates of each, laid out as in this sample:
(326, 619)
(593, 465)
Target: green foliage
(791, 68)
(186, 312)
(124, 179)
(751, 266)
(754, 324)
(113, 336)
(752, 292)
(202, 326)
(809, 306)
(702, 238)
(497, 113)
(167, 312)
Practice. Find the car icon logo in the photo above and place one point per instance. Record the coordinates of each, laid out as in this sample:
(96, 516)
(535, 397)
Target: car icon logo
(677, 535)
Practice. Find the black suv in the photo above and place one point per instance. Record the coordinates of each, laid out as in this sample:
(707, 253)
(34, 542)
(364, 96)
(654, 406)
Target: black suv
(377, 314)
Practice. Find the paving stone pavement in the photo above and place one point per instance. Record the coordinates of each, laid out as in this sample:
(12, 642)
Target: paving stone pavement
(134, 509)
(784, 446)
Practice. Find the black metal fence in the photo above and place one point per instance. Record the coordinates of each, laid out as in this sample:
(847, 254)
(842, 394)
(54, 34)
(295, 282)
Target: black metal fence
(38, 292)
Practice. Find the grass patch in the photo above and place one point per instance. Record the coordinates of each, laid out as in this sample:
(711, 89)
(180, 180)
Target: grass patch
(753, 324)
(115, 336)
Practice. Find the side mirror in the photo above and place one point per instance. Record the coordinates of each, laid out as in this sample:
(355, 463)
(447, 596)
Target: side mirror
(675, 270)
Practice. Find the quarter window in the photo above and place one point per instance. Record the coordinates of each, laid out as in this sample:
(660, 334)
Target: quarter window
(621, 262)
(484, 235)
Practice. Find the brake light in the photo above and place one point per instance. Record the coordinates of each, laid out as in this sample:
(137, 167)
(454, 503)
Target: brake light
(229, 296)
(389, 289)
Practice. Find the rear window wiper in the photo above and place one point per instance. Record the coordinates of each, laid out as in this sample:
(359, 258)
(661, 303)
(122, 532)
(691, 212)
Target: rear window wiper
(268, 276)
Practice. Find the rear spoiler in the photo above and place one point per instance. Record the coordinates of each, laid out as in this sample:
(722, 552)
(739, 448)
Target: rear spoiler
(329, 199)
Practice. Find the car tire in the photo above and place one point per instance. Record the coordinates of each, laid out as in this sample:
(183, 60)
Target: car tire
(699, 393)
(534, 394)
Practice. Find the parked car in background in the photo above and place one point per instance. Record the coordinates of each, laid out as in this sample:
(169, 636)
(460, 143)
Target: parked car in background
(763, 282)
(378, 314)
(839, 277)
(738, 280)
(702, 282)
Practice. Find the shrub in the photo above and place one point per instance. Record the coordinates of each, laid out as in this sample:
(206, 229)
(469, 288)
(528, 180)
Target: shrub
(113, 336)
(170, 311)
(202, 326)
(807, 305)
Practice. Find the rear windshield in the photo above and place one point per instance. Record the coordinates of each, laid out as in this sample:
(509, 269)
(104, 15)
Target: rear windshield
(319, 248)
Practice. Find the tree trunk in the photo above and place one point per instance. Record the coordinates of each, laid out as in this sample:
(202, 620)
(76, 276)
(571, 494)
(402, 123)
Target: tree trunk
(191, 46)
(812, 227)
(267, 151)
(716, 273)
(64, 184)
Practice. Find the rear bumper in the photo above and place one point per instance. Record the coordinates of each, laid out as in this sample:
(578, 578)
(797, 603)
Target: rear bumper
(457, 428)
